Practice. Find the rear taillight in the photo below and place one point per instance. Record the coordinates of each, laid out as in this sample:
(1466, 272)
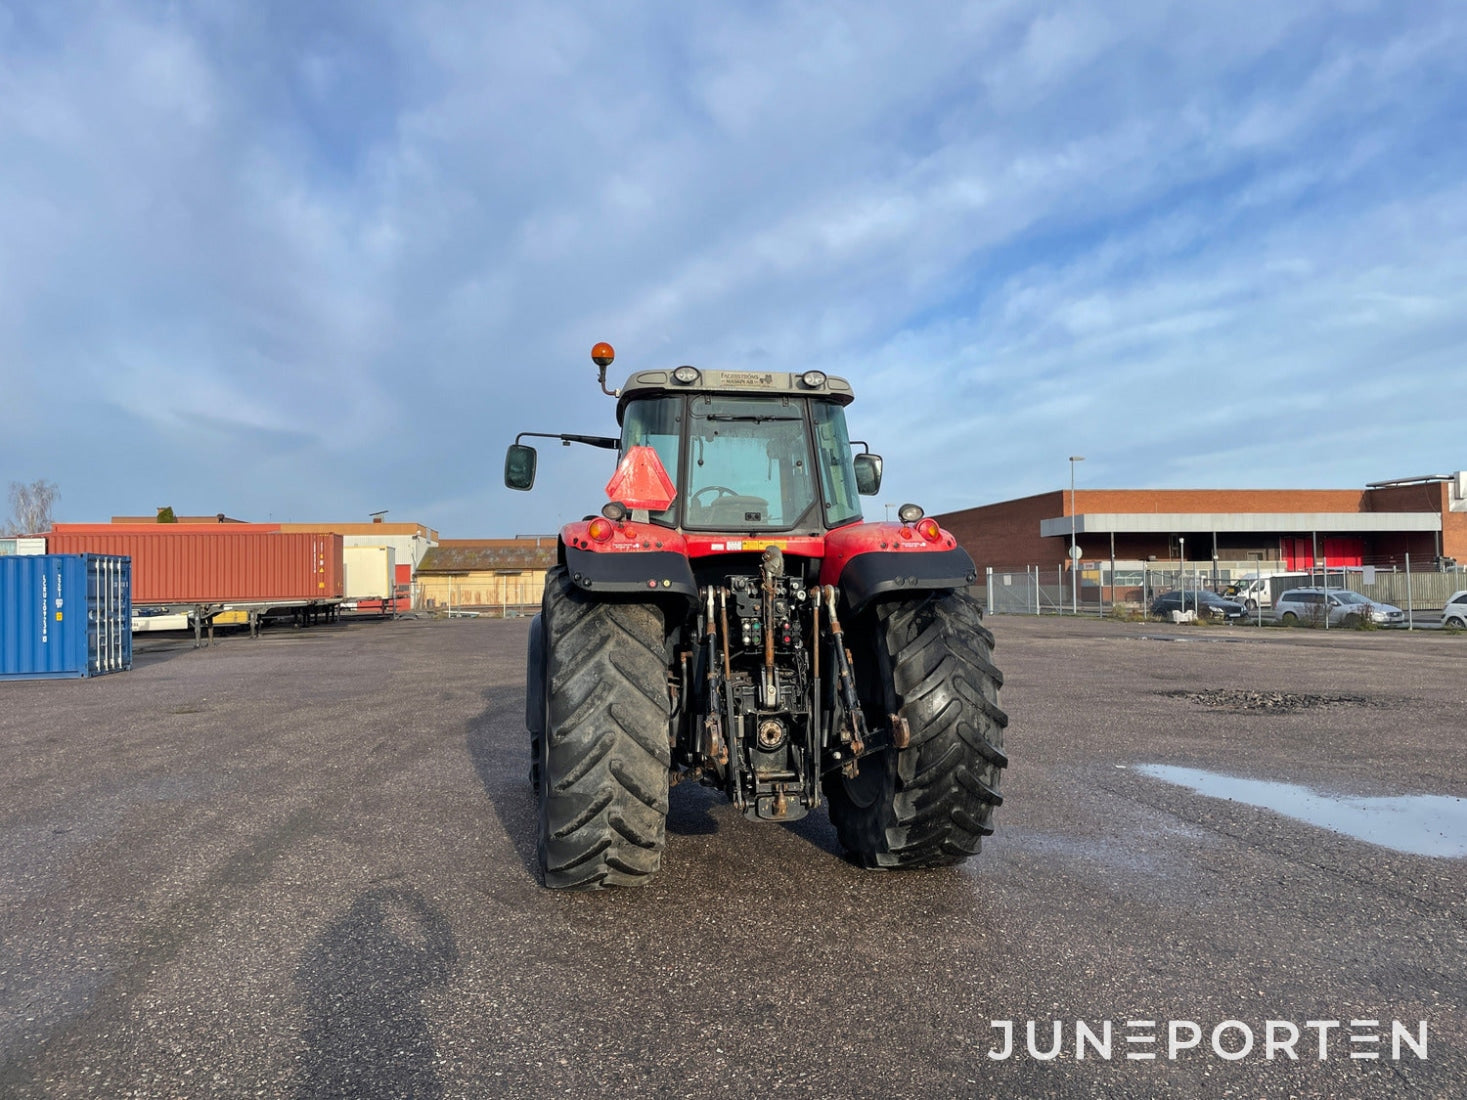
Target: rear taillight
(601, 529)
(929, 530)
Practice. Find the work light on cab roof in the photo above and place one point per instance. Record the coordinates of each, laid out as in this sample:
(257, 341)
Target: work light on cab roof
(731, 619)
(603, 355)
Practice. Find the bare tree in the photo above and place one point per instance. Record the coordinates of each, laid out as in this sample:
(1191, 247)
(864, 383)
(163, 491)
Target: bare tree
(30, 506)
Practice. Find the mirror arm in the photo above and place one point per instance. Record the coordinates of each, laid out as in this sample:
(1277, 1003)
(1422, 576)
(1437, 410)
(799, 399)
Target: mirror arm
(607, 442)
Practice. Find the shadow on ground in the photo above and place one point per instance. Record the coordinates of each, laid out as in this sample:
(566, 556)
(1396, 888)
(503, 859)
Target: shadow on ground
(505, 775)
(363, 981)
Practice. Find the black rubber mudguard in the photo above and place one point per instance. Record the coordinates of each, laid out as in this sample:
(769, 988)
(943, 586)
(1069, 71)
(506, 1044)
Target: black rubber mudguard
(880, 574)
(535, 678)
(649, 573)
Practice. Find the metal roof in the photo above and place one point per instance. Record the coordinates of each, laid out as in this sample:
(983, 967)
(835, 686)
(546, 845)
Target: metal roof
(743, 383)
(1164, 523)
(485, 559)
(217, 517)
(1421, 479)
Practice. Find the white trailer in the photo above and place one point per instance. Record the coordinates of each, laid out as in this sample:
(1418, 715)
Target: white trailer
(370, 575)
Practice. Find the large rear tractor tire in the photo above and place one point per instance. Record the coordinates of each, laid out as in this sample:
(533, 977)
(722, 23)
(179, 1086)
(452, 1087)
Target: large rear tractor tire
(604, 754)
(929, 659)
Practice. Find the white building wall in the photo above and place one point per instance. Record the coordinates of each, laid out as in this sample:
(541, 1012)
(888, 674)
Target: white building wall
(406, 548)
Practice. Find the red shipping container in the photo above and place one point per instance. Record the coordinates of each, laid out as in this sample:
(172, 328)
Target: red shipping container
(194, 563)
(159, 528)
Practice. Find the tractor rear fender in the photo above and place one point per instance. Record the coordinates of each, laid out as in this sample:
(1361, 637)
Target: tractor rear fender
(535, 678)
(637, 559)
(867, 560)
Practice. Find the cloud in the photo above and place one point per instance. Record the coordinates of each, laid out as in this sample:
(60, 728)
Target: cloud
(374, 242)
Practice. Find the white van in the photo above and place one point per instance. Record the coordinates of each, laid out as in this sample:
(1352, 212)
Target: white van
(1252, 592)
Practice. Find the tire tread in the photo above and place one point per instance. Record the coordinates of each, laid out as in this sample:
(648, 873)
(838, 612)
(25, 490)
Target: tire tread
(942, 789)
(605, 760)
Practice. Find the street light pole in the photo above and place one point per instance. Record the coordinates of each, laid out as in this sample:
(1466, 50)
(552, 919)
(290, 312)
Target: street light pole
(1182, 568)
(1074, 552)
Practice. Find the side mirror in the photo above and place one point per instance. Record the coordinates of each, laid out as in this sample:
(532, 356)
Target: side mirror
(868, 474)
(519, 466)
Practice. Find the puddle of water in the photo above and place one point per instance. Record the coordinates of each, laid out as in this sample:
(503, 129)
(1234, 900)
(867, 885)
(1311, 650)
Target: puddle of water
(1418, 824)
(1185, 638)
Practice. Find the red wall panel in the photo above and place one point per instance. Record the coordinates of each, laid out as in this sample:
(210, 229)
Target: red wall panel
(1341, 550)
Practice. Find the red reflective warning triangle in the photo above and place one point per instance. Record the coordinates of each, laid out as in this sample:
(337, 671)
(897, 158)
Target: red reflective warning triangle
(641, 481)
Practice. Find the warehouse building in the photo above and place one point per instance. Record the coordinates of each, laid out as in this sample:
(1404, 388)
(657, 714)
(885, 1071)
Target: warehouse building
(1274, 530)
(494, 576)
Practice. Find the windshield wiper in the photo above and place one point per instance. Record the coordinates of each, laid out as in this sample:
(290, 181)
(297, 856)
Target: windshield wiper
(748, 419)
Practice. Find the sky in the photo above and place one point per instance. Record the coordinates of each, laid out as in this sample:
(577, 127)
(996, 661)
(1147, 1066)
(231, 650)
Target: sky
(305, 262)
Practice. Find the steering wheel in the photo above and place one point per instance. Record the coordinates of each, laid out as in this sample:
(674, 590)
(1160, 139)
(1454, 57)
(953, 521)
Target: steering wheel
(721, 490)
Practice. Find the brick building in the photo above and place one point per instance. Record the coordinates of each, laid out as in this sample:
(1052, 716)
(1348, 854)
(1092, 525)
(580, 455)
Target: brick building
(1283, 529)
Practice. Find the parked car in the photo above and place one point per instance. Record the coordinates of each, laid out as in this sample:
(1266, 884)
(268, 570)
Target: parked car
(1455, 613)
(1200, 600)
(1383, 614)
(1345, 608)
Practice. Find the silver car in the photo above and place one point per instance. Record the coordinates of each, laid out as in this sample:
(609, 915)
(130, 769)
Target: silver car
(1455, 613)
(1345, 608)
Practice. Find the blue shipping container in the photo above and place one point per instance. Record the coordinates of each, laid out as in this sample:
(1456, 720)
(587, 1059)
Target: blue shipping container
(65, 615)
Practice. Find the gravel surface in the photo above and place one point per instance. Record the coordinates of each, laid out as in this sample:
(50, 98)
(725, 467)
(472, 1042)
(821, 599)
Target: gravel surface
(303, 866)
(1284, 702)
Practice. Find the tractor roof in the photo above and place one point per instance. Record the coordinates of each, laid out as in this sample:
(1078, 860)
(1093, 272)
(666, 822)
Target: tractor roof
(741, 383)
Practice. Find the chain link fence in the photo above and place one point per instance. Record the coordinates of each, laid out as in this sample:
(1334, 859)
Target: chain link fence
(1421, 589)
(507, 596)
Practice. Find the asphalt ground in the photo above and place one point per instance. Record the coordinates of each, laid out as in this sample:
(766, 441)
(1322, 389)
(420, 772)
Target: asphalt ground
(304, 866)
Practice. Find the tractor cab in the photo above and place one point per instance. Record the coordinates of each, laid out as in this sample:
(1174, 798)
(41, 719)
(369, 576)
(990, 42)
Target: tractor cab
(747, 452)
(746, 462)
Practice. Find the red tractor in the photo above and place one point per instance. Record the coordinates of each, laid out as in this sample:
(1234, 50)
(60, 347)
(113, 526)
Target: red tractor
(730, 619)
